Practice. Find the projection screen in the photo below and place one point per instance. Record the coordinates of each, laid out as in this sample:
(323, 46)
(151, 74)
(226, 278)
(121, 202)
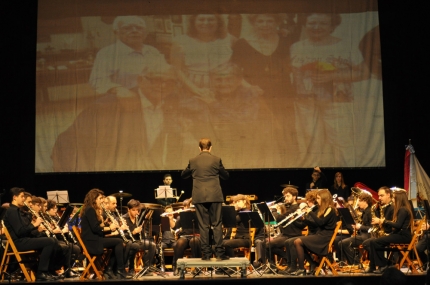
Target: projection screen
(133, 85)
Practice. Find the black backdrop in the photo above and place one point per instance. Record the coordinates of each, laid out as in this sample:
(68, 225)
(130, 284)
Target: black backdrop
(405, 61)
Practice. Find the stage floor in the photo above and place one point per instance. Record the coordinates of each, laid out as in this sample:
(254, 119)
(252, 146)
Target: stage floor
(254, 278)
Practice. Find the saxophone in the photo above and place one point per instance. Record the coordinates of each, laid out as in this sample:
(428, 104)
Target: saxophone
(374, 230)
(382, 216)
(377, 231)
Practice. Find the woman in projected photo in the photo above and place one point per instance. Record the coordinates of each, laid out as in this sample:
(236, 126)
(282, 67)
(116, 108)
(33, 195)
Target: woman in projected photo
(205, 46)
(264, 55)
(324, 66)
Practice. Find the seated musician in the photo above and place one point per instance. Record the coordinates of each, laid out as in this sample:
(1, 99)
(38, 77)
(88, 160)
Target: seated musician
(346, 230)
(383, 209)
(168, 239)
(424, 244)
(111, 216)
(242, 238)
(188, 238)
(94, 230)
(141, 241)
(20, 226)
(326, 218)
(307, 220)
(67, 247)
(402, 227)
(277, 244)
(361, 230)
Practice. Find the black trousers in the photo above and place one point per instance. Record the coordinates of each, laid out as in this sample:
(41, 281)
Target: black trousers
(209, 216)
(145, 245)
(45, 245)
(277, 247)
(347, 247)
(376, 253)
(185, 242)
(116, 244)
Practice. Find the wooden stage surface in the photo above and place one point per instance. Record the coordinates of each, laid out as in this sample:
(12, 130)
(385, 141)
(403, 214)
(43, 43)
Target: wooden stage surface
(253, 278)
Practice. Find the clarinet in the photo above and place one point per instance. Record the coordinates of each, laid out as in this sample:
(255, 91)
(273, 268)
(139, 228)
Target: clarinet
(51, 220)
(125, 223)
(70, 234)
(114, 221)
(48, 230)
(160, 251)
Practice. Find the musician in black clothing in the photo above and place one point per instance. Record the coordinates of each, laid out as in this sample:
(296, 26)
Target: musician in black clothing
(277, 244)
(188, 237)
(67, 248)
(319, 180)
(311, 201)
(385, 209)
(111, 216)
(361, 230)
(242, 238)
(141, 241)
(94, 231)
(20, 227)
(402, 224)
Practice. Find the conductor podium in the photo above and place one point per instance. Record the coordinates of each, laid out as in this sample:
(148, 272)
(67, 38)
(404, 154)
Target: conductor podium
(241, 262)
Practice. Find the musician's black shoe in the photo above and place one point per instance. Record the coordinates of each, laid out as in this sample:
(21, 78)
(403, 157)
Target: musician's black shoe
(44, 276)
(380, 270)
(256, 264)
(121, 274)
(222, 257)
(108, 274)
(206, 257)
(299, 272)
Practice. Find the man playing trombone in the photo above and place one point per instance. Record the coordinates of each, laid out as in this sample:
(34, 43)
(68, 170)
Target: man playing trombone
(285, 214)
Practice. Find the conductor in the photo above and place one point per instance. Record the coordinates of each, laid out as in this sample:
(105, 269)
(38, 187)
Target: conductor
(206, 169)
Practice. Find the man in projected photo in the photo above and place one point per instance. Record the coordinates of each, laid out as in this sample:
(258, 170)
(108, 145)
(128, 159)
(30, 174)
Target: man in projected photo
(117, 66)
(236, 107)
(117, 133)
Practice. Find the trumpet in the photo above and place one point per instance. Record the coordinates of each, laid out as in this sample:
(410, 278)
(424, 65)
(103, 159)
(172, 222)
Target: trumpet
(298, 216)
(297, 212)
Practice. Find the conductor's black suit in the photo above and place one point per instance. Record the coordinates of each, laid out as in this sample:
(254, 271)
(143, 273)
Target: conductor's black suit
(206, 169)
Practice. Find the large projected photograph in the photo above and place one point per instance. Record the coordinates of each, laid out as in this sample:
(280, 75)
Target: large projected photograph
(271, 90)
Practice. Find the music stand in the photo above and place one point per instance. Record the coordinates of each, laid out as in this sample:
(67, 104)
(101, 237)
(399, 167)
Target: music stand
(60, 196)
(165, 192)
(268, 218)
(347, 219)
(65, 217)
(228, 217)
